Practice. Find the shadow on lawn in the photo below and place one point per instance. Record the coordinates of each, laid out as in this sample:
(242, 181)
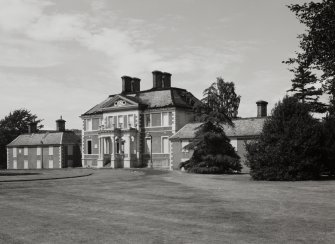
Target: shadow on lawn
(16, 174)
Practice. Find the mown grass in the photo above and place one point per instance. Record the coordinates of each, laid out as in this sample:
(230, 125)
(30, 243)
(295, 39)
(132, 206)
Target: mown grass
(144, 206)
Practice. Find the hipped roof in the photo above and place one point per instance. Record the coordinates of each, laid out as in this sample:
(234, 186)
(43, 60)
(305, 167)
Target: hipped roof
(246, 127)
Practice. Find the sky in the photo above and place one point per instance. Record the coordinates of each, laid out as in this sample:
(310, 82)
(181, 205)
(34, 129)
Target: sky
(62, 57)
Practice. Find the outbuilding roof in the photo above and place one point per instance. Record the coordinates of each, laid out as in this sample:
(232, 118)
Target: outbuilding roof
(153, 98)
(246, 127)
(46, 138)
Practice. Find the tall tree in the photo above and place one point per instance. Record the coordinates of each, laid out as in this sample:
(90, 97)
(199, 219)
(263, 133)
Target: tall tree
(303, 87)
(317, 44)
(13, 125)
(213, 153)
(289, 147)
(220, 102)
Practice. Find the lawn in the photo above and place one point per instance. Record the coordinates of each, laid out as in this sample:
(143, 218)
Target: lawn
(145, 206)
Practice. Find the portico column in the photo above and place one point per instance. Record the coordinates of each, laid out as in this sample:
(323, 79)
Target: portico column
(113, 152)
(101, 157)
(100, 148)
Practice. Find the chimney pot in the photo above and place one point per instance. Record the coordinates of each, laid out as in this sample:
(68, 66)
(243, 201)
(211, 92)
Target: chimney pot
(261, 108)
(157, 79)
(166, 80)
(60, 125)
(32, 127)
(126, 84)
(135, 84)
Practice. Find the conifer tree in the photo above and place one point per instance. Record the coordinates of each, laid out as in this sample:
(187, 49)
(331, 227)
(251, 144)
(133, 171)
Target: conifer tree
(318, 42)
(303, 87)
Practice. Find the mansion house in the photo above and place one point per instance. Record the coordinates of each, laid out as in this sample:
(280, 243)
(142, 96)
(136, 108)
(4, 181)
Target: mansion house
(132, 128)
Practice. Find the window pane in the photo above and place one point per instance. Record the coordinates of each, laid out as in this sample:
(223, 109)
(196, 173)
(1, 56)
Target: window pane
(120, 122)
(25, 162)
(89, 125)
(131, 120)
(147, 145)
(51, 164)
(51, 151)
(233, 142)
(165, 145)
(170, 118)
(165, 117)
(183, 144)
(14, 152)
(70, 150)
(110, 122)
(38, 151)
(95, 124)
(147, 120)
(125, 121)
(89, 147)
(25, 151)
(156, 119)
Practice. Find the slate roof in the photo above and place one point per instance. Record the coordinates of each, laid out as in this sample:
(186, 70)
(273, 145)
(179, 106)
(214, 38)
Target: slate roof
(246, 127)
(153, 98)
(48, 138)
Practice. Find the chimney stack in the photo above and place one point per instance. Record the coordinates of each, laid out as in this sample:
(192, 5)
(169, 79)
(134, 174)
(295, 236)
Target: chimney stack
(262, 108)
(32, 127)
(60, 125)
(135, 84)
(126, 84)
(157, 79)
(166, 80)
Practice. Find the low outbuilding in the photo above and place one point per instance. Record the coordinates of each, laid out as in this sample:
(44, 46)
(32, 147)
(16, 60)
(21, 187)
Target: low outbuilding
(45, 150)
(245, 130)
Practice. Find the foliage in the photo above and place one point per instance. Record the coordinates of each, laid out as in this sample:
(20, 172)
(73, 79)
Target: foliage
(289, 146)
(303, 86)
(317, 44)
(213, 153)
(13, 125)
(220, 103)
(328, 144)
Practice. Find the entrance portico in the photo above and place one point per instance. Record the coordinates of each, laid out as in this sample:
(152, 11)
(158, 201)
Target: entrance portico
(118, 148)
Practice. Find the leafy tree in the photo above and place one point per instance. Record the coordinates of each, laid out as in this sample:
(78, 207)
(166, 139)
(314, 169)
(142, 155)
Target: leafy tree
(289, 147)
(13, 125)
(213, 153)
(220, 102)
(317, 44)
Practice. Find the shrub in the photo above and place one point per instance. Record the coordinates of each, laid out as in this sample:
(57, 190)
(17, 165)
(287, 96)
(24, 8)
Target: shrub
(289, 148)
(328, 143)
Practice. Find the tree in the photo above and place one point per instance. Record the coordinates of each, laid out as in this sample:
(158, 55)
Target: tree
(328, 145)
(13, 125)
(289, 147)
(317, 44)
(220, 101)
(213, 153)
(303, 86)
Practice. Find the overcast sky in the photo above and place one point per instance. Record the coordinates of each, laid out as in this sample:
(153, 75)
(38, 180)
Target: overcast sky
(62, 57)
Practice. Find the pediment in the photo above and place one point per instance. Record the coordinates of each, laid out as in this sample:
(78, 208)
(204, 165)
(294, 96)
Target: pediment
(119, 101)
